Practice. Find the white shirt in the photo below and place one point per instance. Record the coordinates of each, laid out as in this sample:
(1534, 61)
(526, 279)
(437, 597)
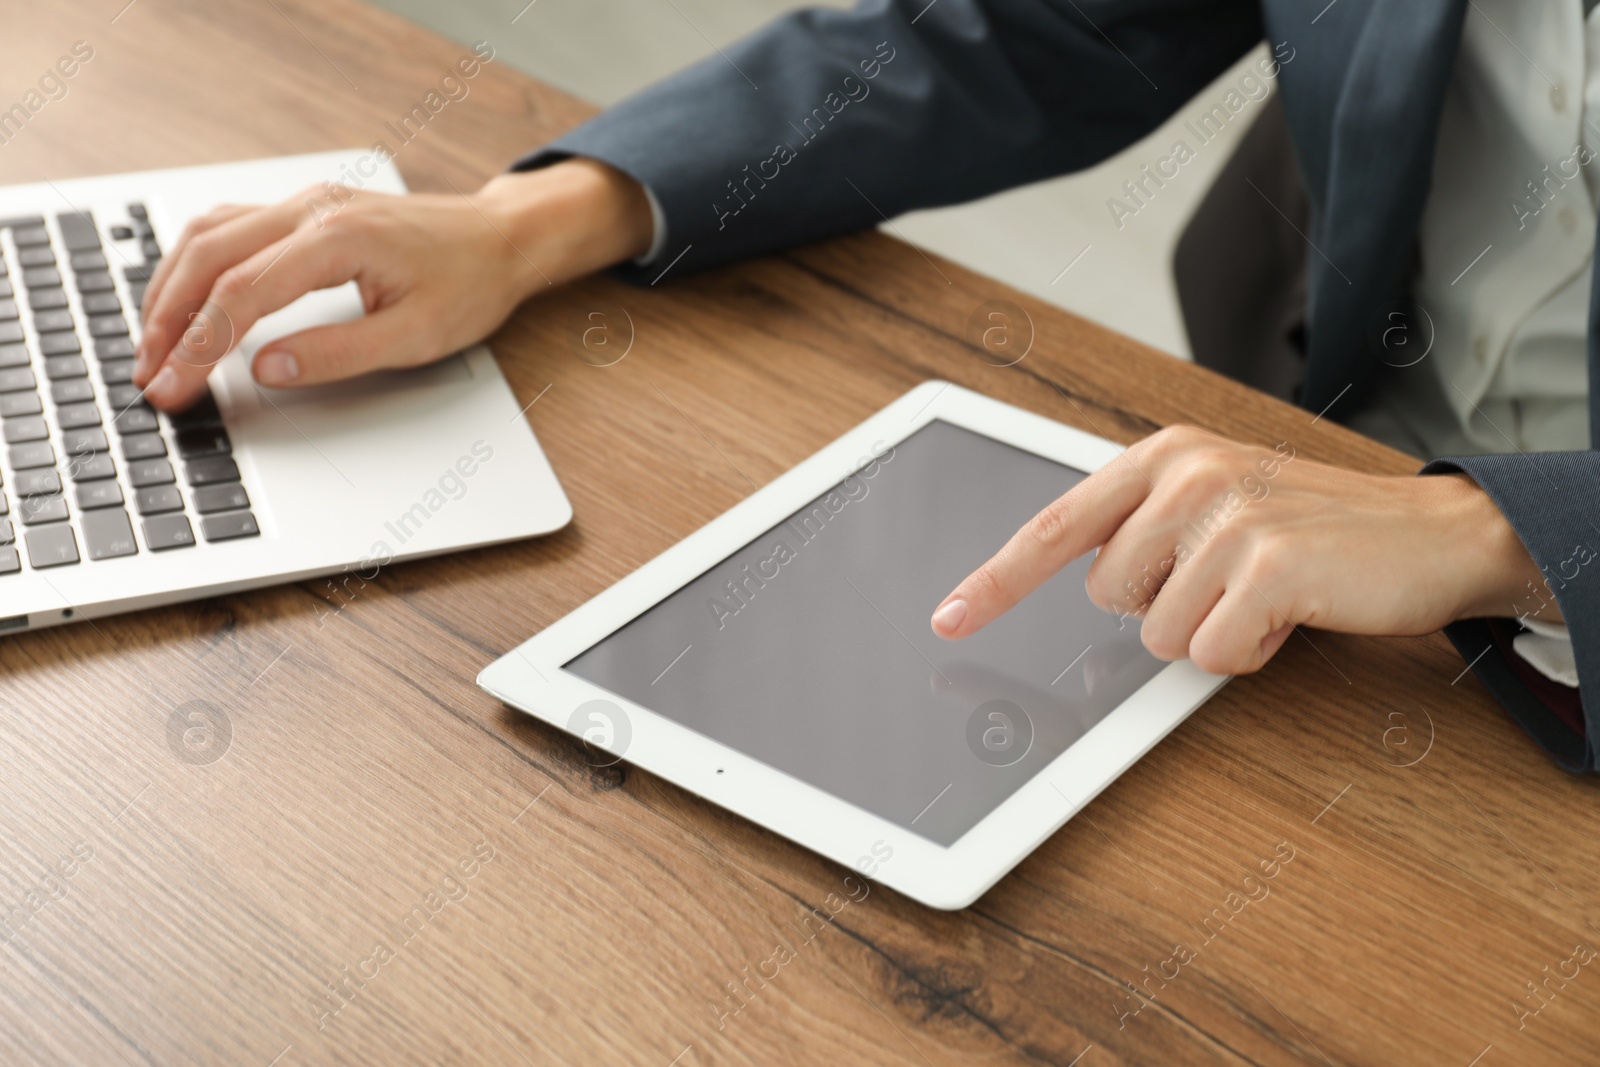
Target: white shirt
(1507, 246)
(1507, 239)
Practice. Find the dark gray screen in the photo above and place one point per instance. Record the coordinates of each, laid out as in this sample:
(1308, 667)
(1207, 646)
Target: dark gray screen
(809, 649)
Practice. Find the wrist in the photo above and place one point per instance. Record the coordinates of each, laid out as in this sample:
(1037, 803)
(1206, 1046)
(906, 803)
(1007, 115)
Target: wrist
(567, 220)
(1499, 578)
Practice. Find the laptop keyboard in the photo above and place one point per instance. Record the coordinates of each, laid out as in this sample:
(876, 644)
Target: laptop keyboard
(83, 469)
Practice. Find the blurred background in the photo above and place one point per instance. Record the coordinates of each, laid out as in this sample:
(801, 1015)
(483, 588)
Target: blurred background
(1056, 239)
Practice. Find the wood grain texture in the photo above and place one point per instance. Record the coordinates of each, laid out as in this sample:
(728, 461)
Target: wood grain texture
(221, 905)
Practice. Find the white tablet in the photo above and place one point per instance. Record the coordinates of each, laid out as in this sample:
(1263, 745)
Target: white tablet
(779, 660)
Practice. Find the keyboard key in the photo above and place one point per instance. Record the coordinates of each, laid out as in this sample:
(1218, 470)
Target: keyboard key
(202, 413)
(13, 404)
(114, 347)
(138, 419)
(137, 210)
(6, 534)
(46, 299)
(147, 446)
(82, 442)
(202, 441)
(26, 428)
(101, 303)
(77, 416)
(52, 546)
(60, 344)
(5, 285)
(211, 470)
(108, 534)
(122, 233)
(91, 468)
(108, 326)
(151, 250)
(72, 391)
(31, 236)
(41, 277)
(158, 498)
(95, 281)
(227, 527)
(36, 257)
(8, 309)
(38, 454)
(65, 366)
(229, 497)
(78, 231)
(150, 472)
(10, 333)
(140, 273)
(98, 494)
(37, 509)
(162, 532)
(117, 372)
(136, 293)
(91, 260)
(41, 482)
(4, 507)
(54, 319)
(121, 396)
(10, 563)
(14, 355)
(14, 378)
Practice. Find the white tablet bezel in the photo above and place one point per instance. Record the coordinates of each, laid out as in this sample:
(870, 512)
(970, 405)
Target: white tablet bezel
(531, 679)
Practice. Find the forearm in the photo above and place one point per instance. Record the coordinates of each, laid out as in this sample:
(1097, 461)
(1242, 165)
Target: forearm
(580, 215)
(1499, 577)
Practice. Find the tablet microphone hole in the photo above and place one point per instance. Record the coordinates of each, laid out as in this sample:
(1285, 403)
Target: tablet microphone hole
(719, 770)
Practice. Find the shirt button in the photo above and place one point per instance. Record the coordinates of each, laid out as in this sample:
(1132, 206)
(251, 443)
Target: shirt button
(1569, 219)
(1558, 98)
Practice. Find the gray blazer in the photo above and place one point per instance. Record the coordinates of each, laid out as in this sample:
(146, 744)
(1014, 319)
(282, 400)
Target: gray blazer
(818, 122)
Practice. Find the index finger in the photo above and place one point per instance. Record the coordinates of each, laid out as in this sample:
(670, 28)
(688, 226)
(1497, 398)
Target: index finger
(196, 226)
(189, 272)
(271, 279)
(1082, 518)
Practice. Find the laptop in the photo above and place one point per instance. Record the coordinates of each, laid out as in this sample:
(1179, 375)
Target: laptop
(107, 505)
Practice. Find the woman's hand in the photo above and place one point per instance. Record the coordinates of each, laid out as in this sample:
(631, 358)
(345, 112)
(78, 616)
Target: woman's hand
(436, 272)
(1222, 548)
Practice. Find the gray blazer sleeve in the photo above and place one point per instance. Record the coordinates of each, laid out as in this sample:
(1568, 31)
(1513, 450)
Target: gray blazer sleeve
(828, 121)
(1552, 500)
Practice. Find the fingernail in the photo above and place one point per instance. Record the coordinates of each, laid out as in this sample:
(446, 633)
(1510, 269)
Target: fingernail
(277, 368)
(162, 384)
(949, 616)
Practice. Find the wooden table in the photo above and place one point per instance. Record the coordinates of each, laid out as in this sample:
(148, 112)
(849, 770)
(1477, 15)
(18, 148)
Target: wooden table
(226, 911)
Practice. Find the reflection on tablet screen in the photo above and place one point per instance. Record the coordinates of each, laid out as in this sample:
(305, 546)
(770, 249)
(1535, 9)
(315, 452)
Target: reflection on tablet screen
(809, 649)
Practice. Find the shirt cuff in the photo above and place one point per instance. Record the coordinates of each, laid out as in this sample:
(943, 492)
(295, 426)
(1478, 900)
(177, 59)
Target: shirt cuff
(658, 223)
(1547, 648)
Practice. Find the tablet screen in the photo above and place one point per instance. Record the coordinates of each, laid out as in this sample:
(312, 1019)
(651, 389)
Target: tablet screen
(810, 650)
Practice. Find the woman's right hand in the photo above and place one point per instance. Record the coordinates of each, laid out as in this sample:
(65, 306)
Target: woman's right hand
(436, 273)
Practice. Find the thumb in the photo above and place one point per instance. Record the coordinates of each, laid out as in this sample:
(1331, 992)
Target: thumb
(386, 338)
